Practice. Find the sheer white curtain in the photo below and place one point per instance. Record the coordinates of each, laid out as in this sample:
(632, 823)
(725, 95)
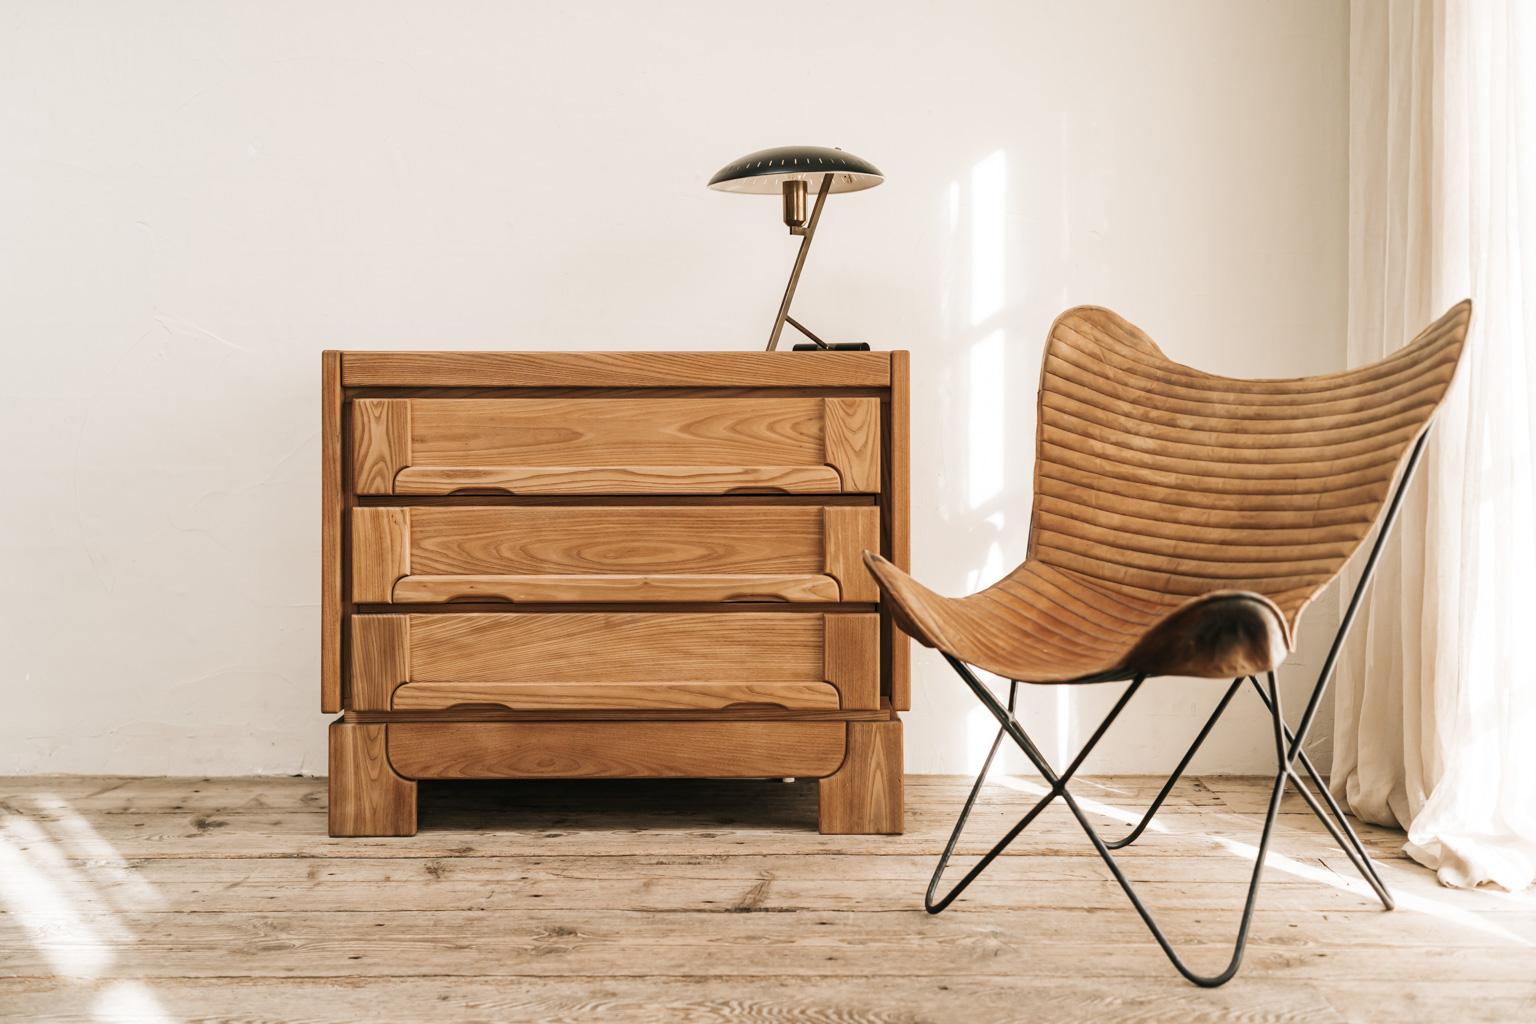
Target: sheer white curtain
(1435, 727)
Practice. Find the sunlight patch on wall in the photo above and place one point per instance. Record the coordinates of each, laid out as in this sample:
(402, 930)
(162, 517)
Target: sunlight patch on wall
(1066, 724)
(987, 395)
(989, 184)
(980, 731)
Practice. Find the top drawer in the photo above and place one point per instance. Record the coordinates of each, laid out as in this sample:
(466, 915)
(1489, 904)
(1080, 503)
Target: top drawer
(616, 445)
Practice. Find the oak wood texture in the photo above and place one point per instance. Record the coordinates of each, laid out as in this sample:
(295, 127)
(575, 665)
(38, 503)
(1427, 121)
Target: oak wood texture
(747, 712)
(850, 658)
(719, 588)
(222, 899)
(614, 369)
(436, 695)
(381, 444)
(865, 795)
(716, 553)
(367, 797)
(331, 524)
(851, 429)
(662, 547)
(430, 480)
(381, 552)
(1183, 521)
(616, 750)
(846, 533)
(381, 660)
(895, 526)
(596, 660)
(616, 445)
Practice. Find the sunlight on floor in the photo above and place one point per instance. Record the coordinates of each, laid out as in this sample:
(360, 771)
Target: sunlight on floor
(1279, 862)
(129, 1001)
(65, 907)
(85, 842)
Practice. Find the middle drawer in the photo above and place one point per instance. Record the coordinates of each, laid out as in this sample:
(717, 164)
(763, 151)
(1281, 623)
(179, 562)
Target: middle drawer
(613, 553)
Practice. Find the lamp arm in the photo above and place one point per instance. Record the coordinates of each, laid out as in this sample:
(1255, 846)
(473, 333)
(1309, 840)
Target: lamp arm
(794, 274)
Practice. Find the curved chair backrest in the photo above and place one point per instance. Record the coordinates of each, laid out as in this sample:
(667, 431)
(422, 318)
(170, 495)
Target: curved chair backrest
(1156, 477)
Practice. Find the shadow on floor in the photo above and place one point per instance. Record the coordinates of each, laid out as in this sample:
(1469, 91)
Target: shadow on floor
(615, 805)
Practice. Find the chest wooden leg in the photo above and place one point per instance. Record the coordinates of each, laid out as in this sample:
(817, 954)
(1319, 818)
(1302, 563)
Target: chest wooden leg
(864, 796)
(367, 798)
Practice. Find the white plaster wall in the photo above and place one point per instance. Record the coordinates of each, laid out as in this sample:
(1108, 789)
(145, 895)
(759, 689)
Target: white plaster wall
(196, 198)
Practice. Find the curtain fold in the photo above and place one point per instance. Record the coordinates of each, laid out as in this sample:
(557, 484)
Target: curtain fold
(1435, 711)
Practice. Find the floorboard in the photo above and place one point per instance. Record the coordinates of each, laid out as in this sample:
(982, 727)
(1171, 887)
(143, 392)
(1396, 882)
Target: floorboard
(173, 899)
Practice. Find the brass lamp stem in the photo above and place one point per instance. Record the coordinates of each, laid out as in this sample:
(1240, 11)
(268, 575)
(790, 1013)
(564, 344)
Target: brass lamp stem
(794, 206)
(794, 275)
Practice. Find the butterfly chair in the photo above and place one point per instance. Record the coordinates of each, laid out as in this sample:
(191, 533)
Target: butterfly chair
(1182, 522)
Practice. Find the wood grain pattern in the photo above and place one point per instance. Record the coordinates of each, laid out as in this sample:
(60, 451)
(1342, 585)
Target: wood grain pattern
(852, 441)
(614, 369)
(616, 750)
(435, 696)
(614, 539)
(1183, 521)
(367, 797)
(846, 534)
(617, 432)
(895, 523)
(331, 542)
(381, 552)
(752, 711)
(628, 588)
(381, 660)
(381, 443)
(718, 553)
(865, 796)
(426, 480)
(223, 899)
(851, 658)
(595, 647)
(600, 660)
(622, 445)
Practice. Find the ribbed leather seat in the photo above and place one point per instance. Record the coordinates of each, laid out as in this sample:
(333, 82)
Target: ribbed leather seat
(1183, 521)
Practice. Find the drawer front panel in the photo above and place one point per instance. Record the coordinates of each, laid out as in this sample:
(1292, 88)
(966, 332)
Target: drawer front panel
(612, 554)
(595, 660)
(615, 750)
(616, 445)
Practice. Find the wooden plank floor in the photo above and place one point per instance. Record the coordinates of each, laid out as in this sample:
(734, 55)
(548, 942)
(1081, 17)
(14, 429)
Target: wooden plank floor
(185, 899)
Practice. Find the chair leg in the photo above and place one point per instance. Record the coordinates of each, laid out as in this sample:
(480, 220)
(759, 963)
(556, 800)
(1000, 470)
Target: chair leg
(1009, 725)
(1058, 784)
(965, 813)
(1282, 776)
(1178, 772)
(1341, 832)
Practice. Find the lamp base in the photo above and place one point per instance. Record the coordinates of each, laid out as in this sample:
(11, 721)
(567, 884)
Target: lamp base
(833, 346)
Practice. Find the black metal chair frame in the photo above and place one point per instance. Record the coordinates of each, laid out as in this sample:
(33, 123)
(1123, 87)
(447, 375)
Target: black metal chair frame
(1288, 753)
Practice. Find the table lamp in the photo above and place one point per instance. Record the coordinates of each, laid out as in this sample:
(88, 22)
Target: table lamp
(792, 171)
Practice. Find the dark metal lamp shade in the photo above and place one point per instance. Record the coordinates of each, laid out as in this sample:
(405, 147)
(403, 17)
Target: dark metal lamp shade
(764, 172)
(794, 172)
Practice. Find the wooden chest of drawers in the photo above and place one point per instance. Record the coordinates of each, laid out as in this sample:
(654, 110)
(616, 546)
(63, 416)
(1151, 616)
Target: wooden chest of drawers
(612, 565)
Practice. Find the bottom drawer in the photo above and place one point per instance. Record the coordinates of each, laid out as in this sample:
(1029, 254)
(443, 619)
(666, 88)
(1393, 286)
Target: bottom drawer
(615, 750)
(615, 661)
